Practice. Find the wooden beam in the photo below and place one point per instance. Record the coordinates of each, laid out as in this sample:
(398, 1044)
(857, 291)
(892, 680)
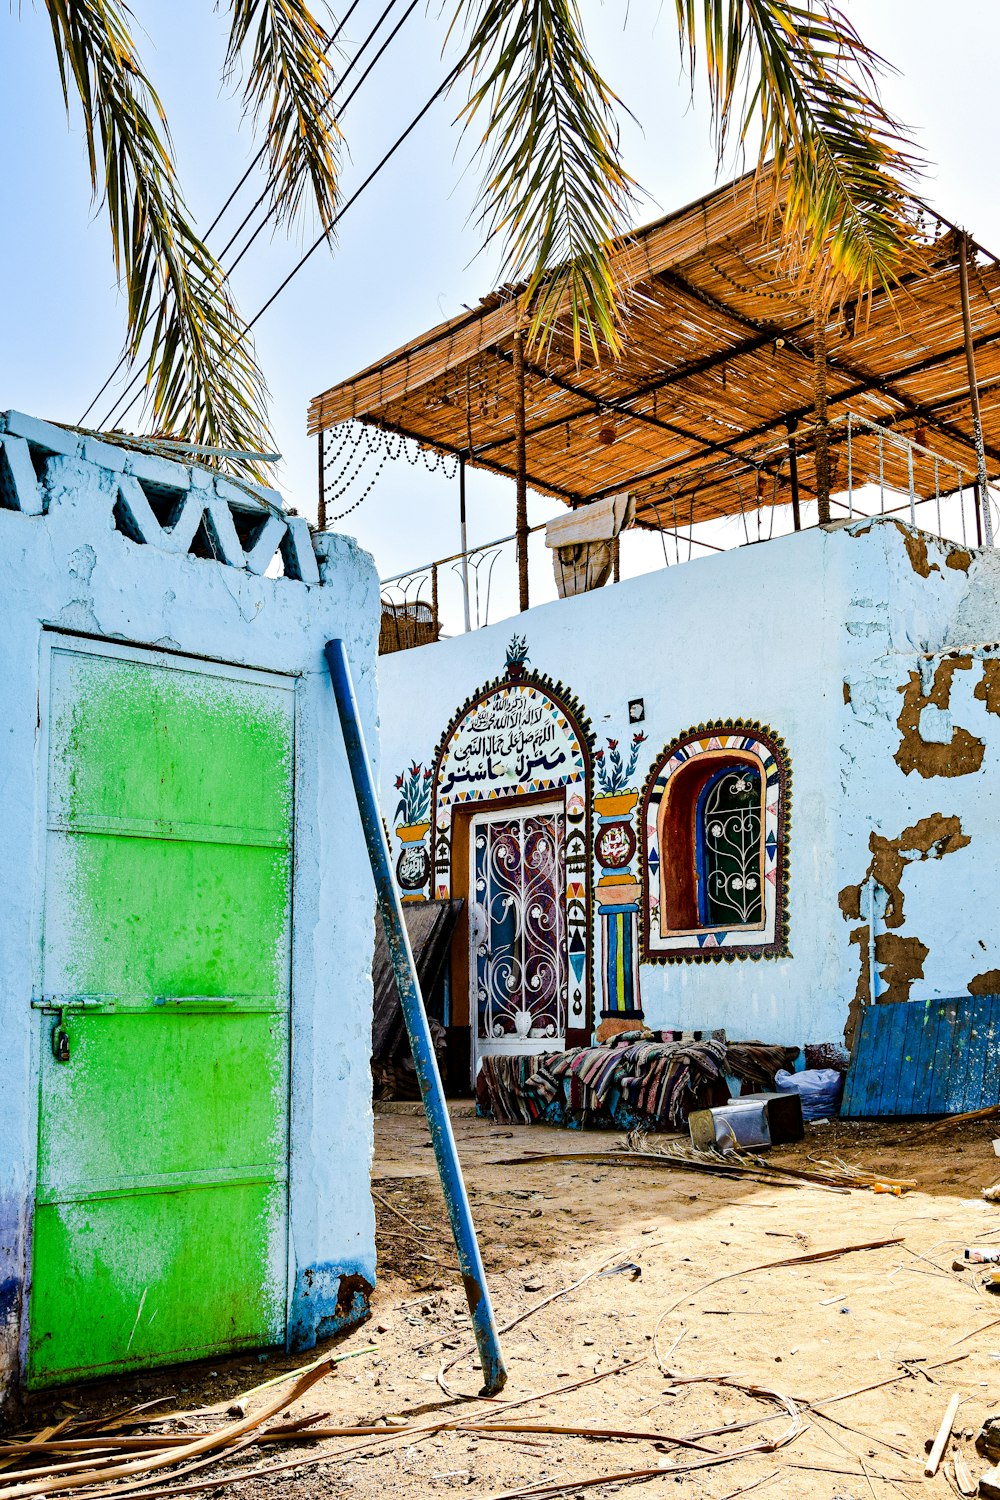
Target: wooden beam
(864, 383)
(521, 527)
(793, 474)
(984, 521)
(837, 398)
(886, 384)
(683, 372)
(321, 498)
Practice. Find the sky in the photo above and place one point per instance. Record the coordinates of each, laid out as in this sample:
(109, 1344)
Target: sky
(409, 252)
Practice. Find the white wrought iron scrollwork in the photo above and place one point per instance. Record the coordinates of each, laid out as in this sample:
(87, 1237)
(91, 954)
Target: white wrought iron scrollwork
(517, 926)
(731, 850)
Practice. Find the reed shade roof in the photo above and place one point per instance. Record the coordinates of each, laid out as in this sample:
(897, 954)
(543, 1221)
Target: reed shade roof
(718, 360)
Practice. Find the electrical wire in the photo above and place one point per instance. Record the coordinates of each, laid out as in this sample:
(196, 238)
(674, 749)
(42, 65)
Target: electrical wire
(254, 163)
(339, 84)
(133, 390)
(321, 239)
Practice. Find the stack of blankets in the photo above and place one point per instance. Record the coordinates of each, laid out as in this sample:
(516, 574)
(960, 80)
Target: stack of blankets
(648, 1079)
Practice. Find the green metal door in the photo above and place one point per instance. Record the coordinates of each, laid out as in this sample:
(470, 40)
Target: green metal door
(160, 1228)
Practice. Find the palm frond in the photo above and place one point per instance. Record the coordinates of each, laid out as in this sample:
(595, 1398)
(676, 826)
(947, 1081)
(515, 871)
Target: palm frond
(554, 186)
(290, 81)
(202, 374)
(800, 74)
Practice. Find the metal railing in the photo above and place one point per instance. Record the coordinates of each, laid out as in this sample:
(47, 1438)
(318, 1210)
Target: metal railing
(929, 479)
(463, 585)
(876, 471)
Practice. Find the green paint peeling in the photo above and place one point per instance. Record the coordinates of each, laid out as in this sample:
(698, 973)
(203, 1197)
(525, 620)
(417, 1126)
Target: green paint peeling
(160, 1220)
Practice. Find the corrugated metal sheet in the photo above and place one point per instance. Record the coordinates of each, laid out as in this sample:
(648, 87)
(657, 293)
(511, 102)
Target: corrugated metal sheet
(933, 1057)
(430, 925)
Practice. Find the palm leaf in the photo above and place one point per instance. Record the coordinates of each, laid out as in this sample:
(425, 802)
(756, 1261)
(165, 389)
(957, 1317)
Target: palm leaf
(554, 187)
(202, 375)
(290, 81)
(801, 76)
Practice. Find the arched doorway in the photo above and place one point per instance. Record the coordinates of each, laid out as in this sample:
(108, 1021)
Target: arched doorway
(510, 818)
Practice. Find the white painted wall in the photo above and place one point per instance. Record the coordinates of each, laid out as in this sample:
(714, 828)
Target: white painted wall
(67, 568)
(770, 633)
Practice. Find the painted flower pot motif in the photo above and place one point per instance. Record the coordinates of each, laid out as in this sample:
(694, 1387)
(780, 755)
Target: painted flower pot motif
(412, 833)
(413, 867)
(616, 805)
(517, 657)
(523, 1022)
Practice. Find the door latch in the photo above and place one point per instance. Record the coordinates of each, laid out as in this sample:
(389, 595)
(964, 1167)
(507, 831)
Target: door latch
(60, 1042)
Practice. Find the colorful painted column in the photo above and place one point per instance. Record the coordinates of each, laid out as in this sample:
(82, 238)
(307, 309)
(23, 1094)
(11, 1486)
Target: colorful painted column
(618, 891)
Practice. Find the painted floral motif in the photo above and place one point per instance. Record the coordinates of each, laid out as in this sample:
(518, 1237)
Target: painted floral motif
(517, 655)
(415, 800)
(614, 774)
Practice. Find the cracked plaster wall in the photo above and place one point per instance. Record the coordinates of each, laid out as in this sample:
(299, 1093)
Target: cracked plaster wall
(919, 762)
(820, 636)
(744, 634)
(67, 568)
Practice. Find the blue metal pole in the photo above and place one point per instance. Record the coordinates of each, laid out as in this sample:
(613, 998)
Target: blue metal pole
(459, 1212)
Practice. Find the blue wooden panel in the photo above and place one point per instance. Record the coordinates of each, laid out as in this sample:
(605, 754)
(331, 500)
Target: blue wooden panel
(853, 1081)
(947, 1012)
(909, 1057)
(958, 1059)
(924, 1071)
(991, 1063)
(892, 1062)
(980, 1012)
(884, 1024)
(926, 1057)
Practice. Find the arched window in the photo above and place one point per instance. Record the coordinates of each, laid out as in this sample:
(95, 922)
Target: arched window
(728, 823)
(715, 855)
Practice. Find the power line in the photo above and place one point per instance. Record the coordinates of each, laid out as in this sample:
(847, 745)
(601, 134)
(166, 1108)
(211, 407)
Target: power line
(390, 38)
(356, 195)
(260, 154)
(129, 396)
(441, 88)
(118, 411)
(124, 358)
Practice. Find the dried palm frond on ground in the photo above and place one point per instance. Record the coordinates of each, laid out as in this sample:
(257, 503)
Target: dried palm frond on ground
(639, 1149)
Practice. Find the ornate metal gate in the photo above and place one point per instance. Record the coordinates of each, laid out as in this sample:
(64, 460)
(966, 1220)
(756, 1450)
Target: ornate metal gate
(517, 940)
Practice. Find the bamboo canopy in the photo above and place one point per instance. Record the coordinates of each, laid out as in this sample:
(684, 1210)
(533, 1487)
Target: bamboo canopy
(716, 381)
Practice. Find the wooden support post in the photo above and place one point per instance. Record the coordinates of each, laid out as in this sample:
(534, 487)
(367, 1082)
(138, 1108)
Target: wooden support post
(793, 473)
(822, 430)
(984, 521)
(434, 600)
(616, 559)
(321, 500)
(521, 525)
(465, 541)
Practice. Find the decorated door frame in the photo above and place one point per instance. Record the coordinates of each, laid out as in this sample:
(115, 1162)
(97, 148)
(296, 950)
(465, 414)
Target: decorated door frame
(520, 739)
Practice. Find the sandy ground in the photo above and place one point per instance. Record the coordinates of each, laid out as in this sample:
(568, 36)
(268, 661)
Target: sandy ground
(898, 1319)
